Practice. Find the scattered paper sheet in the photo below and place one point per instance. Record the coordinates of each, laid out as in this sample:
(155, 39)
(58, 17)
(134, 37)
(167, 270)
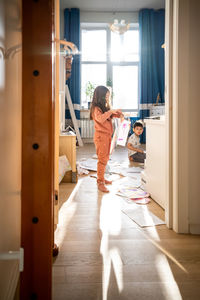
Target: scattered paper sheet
(91, 165)
(114, 138)
(112, 167)
(142, 201)
(82, 171)
(123, 131)
(126, 172)
(63, 167)
(133, 193)
(142, 216)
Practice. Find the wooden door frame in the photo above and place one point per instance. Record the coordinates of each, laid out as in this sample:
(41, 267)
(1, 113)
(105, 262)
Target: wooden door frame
(38, 109)
(168, 110)
(57, 117)
(180, 96)
(177, 95)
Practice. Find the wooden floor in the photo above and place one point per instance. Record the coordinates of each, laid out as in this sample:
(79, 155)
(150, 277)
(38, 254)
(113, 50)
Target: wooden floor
(105, 255)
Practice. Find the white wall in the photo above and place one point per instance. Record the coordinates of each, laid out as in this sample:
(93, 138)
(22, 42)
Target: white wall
(185, 113)
(187, 116)
(194, 113)
(100, 17)
(10, 144)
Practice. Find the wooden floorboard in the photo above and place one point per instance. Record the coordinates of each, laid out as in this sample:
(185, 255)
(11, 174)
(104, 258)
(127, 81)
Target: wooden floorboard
(105, 255)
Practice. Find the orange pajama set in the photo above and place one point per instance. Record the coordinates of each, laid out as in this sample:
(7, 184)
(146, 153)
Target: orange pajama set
(102, 139)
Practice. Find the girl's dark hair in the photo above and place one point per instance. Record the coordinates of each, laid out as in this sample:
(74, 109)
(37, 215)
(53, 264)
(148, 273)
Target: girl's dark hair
(99, 100)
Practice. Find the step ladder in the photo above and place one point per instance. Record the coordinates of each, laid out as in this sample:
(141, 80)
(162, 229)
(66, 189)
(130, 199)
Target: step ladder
(73, 116)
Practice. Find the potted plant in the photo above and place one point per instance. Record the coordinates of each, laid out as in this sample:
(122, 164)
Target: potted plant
(89, 91)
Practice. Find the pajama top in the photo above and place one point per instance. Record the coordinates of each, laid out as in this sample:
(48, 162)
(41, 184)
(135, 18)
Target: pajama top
(135, 142)
(102, 122)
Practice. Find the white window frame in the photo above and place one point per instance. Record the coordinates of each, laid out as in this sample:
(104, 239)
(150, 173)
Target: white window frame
(108, 62)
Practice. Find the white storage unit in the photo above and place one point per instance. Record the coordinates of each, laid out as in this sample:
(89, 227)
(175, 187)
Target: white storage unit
(157, 110)
(154, 174)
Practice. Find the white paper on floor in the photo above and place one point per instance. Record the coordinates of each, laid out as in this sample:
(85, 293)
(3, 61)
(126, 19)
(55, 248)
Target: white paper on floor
(141, 215)
(124, 182)
(82, 171)
(112, 167)
(113, 177)
(142, 201)
(130, 172)
(128, 181)
(91, 165)
(132, 192)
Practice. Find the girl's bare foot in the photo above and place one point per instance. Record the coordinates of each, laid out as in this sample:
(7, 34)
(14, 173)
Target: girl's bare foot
(102, 188)
(107, 181)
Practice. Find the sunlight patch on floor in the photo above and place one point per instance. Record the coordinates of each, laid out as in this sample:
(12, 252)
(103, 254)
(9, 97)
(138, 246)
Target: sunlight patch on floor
(110, 224)
(64, 221)
(172, 291)
(111, 257)
(110, 215)
(153, 233)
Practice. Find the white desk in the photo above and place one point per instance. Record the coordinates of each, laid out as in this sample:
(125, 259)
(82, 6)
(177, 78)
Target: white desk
(155, 170)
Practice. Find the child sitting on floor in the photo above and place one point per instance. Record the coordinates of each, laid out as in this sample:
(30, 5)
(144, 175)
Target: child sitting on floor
(135, 153)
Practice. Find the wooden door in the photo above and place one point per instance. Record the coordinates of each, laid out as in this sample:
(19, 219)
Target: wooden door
(38, 108)
(57, 118)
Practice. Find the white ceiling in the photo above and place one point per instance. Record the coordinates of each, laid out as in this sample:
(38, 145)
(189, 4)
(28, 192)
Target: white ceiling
(112, 5)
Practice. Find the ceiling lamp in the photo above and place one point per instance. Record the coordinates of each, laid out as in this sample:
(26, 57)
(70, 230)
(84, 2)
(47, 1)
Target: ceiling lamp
(119, 28)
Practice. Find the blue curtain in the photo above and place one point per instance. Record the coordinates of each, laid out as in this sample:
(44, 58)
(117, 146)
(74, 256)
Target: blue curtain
(151, 70)
(72, 34)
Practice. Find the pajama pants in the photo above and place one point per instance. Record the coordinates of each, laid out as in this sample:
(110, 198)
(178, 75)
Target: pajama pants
(139, 157)
(102, 144)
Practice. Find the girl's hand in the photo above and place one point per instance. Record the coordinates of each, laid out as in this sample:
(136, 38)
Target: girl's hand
(122, 117)
(117, 113)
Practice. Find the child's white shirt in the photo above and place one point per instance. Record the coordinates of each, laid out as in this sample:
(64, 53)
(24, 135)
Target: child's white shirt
(135, 142)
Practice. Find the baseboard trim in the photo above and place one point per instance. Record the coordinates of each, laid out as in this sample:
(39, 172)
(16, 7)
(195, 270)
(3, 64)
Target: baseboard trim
(88, 141)
(195, 228)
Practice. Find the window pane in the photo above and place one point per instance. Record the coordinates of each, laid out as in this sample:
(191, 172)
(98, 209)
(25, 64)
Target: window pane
(131, 45)
(94, 73)
(116, 47)
(125, 47)
(93, 45)
(125, 87)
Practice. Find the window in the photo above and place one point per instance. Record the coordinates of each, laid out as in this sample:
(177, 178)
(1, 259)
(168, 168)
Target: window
(107, 56)
(93, 45)
(94, 73)
(125, 87)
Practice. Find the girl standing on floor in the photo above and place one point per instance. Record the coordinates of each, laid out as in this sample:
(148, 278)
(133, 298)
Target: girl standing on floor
(102, 115)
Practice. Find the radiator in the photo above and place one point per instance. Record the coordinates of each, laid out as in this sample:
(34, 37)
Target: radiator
(87, 128)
